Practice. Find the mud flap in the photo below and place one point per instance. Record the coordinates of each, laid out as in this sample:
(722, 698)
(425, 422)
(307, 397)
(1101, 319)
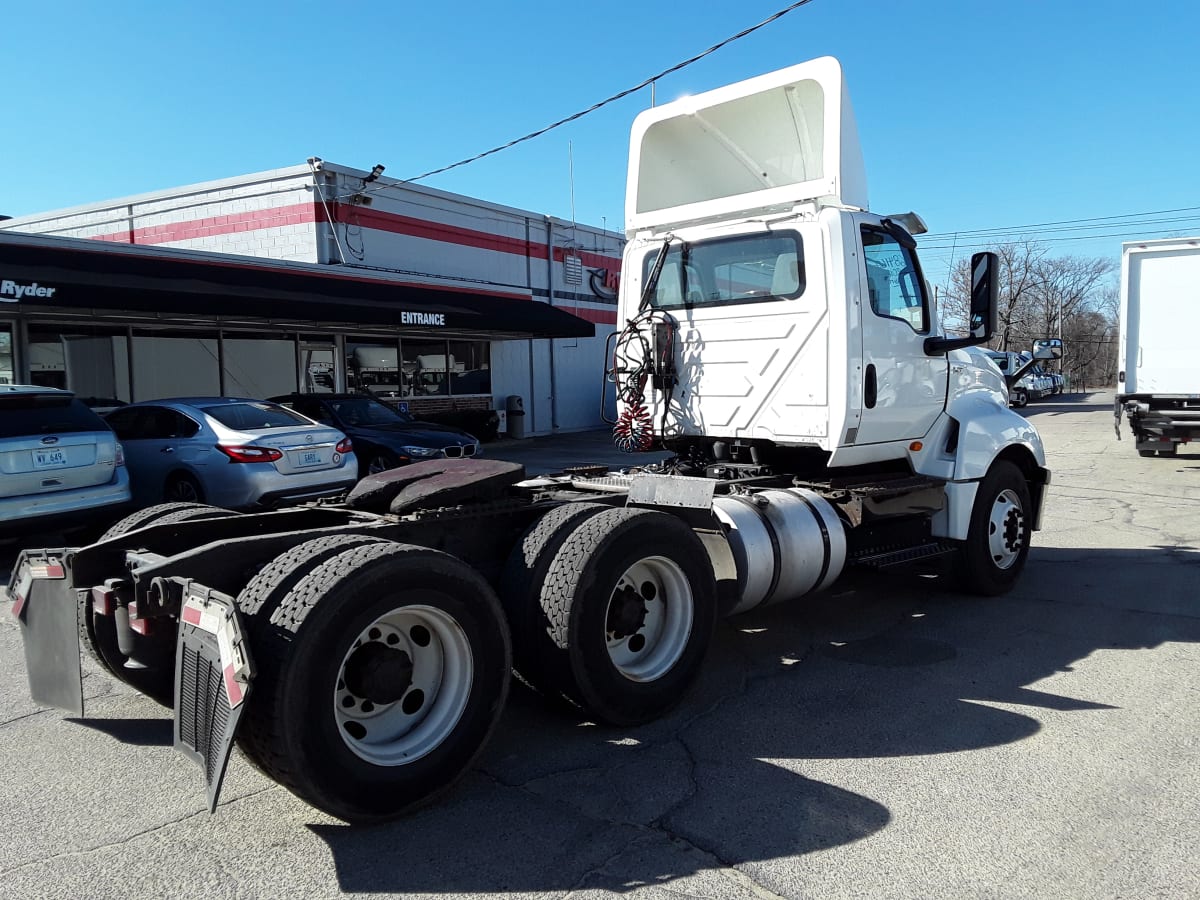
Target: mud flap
(212, 680)
(48, 610)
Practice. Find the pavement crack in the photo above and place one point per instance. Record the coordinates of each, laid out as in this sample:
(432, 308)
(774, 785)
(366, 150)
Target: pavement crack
(162, 826)
(29, 715)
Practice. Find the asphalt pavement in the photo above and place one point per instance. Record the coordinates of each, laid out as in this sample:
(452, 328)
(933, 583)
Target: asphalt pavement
(888, 739)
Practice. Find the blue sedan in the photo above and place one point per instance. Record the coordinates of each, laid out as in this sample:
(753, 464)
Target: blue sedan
(230, 452)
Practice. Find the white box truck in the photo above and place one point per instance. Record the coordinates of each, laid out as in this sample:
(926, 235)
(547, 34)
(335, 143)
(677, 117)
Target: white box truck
(1158, 380)
(780, 340)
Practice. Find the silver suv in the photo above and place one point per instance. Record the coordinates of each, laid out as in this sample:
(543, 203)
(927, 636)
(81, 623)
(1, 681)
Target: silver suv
(60, 463)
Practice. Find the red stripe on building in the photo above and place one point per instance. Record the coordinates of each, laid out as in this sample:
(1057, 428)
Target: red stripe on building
(307, 213)
(434, 231)
(214, 226)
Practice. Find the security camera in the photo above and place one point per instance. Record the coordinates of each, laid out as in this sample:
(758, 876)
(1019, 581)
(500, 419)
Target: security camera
(375, 173)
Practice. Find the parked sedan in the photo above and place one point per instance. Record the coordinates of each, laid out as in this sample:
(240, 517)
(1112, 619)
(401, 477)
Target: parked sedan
(60, 464)
(230, 452)
(383, 436)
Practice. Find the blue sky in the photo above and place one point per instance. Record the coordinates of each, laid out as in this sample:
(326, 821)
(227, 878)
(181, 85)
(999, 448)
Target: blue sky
(976, 115)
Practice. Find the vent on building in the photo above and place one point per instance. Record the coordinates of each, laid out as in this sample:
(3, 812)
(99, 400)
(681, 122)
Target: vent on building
(572, 270)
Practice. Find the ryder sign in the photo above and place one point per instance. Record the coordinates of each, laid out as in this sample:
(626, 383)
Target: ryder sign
(12, 291)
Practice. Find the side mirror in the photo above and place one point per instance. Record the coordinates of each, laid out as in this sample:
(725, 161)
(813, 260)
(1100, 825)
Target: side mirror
(1048, 348)
(985, 292)
(985, 311)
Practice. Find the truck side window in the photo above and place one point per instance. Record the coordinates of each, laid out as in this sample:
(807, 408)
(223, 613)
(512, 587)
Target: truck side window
(894, 280)
(748, 268)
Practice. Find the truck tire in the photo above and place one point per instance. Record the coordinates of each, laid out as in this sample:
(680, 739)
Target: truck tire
(997, 544)
(631, 605)
(98, 634)
(259, 599)
(380, 679)
(521, 591)
(150, 514)
(1020, 398)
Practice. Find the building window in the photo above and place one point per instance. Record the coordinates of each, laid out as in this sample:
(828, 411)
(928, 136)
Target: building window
(258, 366)
(91, 361)
(175, 364)
(372, 368)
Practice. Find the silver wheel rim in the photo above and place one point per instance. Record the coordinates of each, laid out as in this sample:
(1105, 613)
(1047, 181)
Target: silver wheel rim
(1006, 530)
(652, 648)
(376, 465)
(400, 731)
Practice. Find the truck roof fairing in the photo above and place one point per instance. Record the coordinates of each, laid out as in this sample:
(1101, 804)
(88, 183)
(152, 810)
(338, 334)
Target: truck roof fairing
(769, 142)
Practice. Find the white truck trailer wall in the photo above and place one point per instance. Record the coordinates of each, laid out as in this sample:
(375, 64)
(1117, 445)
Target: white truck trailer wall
(1160, 316)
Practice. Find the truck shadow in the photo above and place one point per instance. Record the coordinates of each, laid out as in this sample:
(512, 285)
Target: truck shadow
(883, 668)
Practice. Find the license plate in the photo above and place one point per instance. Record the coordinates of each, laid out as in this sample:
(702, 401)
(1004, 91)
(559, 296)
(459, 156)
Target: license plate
(50, 459)
(309, 458)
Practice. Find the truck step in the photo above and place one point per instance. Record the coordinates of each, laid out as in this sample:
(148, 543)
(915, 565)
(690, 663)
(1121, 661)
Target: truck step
(884, 559)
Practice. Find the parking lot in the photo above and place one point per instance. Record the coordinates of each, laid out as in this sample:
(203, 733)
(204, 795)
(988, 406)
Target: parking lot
(888, 739)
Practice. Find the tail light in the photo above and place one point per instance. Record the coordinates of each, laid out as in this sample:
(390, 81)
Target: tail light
(251, 454)
(120, 459)
(345, 446)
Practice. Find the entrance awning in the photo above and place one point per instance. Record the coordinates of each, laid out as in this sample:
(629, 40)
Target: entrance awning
(67, 273)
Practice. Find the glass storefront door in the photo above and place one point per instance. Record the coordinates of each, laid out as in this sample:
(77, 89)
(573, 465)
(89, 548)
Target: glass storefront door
(318, 368)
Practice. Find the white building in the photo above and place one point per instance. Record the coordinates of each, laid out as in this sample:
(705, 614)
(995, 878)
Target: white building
(359, 282)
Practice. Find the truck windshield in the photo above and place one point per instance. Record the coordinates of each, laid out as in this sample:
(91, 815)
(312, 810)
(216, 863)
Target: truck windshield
(743, 269)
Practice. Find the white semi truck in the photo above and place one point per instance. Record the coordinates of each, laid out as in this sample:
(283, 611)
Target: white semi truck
(1158, 381)
(778, 337)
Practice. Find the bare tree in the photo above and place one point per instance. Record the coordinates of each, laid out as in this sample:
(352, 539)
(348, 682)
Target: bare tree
(1043, 296)
(1020, 278)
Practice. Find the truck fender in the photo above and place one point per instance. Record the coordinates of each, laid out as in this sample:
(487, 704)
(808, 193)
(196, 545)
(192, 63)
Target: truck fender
(987, 432)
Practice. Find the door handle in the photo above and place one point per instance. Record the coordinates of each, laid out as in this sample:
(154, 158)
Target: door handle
(166, 450)
(870, 389)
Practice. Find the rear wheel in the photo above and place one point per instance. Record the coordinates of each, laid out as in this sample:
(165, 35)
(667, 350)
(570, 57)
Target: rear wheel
(182, 488)
(521, 592)
(630, 602)
(380, 678)
(98, 634)
(997, 544)
(1020, 398)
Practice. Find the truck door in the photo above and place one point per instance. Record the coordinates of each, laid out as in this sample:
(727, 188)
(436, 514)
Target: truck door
(903, 389)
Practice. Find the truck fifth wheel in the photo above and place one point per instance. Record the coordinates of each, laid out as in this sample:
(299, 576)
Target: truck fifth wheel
(779, 339)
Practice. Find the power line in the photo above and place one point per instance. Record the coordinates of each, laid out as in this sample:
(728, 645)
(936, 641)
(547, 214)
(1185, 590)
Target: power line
(615, 97)
(1132, 236)
(1020, 228)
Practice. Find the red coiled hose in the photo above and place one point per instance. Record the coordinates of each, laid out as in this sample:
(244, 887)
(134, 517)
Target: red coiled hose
(634, 431)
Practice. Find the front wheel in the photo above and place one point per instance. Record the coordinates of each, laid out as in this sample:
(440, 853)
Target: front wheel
(379, 461)
(997, 544)
(1020, 398)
